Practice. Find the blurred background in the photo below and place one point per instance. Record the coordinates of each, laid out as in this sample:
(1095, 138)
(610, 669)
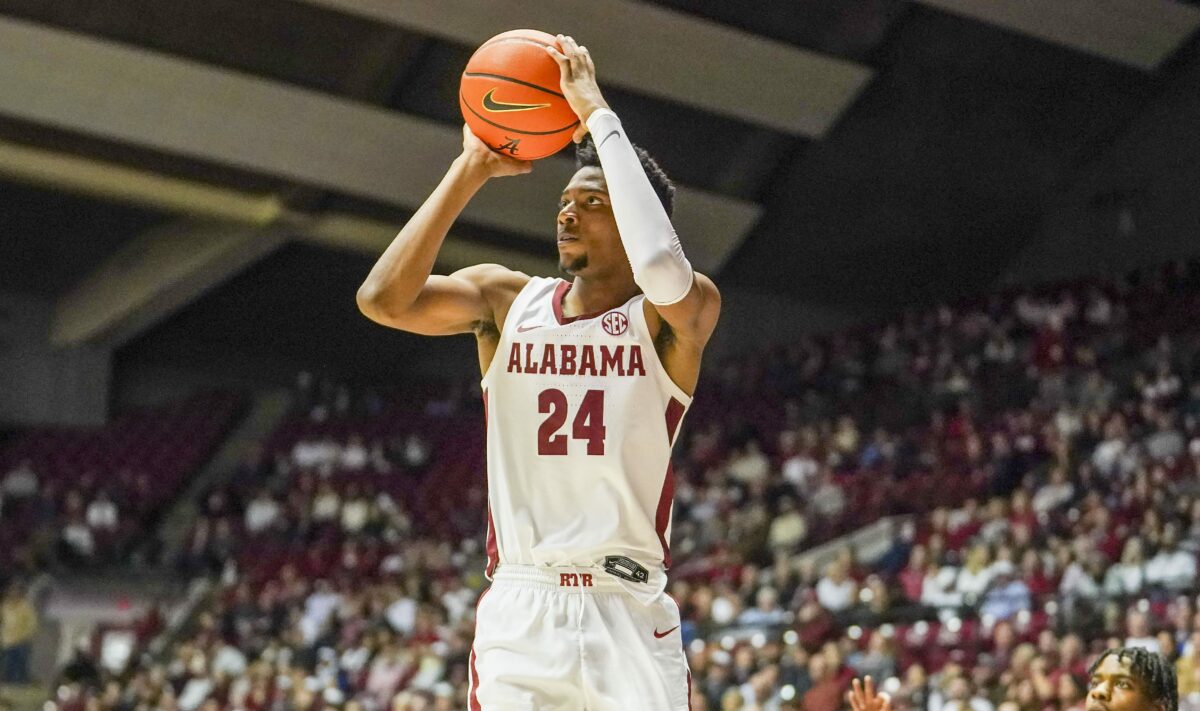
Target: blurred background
(948, 431)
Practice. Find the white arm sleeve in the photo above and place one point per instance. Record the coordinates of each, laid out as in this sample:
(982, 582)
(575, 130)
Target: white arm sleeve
(659, 267)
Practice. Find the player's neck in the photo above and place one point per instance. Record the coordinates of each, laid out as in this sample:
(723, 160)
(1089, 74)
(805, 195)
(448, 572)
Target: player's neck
(589, 296)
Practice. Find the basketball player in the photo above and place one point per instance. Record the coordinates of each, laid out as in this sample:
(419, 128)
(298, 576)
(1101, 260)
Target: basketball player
(1122, 679)
(585, 383)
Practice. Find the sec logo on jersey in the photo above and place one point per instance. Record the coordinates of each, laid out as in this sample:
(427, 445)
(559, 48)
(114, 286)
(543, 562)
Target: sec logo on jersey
(614, 323)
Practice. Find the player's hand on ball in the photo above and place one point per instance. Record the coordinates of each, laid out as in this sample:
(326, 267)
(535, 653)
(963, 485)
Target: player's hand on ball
(479, 155)
(577, 75)
(862, 697)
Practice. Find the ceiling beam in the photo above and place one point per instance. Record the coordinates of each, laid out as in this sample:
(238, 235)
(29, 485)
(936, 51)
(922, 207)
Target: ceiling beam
(1137, 33)
(118, 183)
(155, 274)
(657, 52)
(116, 92)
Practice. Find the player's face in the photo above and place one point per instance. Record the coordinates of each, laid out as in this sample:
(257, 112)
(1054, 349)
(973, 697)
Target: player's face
(1113, 687)
(588, 241)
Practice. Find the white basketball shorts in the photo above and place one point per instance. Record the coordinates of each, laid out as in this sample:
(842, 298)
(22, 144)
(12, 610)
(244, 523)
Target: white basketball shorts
(572, 639)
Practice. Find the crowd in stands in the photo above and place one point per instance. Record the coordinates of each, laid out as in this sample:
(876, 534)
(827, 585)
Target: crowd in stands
(78, 498)
(1038, 450)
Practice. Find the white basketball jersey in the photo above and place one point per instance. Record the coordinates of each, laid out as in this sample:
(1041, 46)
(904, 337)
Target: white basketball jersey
(581, 417)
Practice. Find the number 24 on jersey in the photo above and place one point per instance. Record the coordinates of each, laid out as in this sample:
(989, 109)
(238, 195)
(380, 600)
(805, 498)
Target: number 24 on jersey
(587, 425)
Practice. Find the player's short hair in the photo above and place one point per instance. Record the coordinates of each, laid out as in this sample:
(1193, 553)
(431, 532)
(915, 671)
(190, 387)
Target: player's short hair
(587, 157)
(1151, 669)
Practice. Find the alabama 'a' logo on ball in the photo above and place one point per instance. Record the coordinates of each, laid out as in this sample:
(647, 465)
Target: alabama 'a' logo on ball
(615, 323)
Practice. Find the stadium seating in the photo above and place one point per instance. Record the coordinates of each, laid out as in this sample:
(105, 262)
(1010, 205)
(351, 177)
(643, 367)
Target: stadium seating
(1043, 447)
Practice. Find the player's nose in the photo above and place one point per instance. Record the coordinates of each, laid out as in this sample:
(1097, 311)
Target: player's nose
(567, 216)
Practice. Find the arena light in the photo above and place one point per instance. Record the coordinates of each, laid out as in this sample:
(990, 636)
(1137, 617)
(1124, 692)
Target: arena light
(791, 637)
(788, 692)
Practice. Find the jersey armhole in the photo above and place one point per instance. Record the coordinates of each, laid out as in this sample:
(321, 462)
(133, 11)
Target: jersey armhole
(518, 304)
(639, 313)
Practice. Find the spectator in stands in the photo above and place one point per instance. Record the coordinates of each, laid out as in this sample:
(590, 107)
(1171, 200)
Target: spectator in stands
(102, 513)
(836, 590)
(18, 627)
(1139, 634)
(356, 511)
(326, 505)
(766, 611)
(826, 691)
(21, 482)
(879, 659)
(1056, 492)
(1172, 568)
(788, 528)
(354, 455)
(1187, 668)
(1008, 596)
(1129, 575)
(975, 576)
(77, 544)
(829, 501)
(416, 452)
(262, 513)
(748, 465)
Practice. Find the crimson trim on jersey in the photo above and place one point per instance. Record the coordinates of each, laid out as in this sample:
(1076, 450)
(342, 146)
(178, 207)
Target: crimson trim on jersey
(559, 292)
(493, 551)
(662, 517)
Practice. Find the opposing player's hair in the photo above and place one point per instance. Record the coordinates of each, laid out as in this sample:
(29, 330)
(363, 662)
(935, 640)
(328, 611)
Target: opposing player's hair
(587, 157)
(1153, 670)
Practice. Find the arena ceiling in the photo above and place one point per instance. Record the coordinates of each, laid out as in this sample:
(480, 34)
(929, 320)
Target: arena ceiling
(184, 174)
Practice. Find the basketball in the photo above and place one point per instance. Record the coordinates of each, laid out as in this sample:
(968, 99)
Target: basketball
(510, 96)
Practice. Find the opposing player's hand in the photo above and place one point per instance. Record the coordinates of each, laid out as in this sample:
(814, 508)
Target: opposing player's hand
(862, 697)
(493, 164)
(577, 75)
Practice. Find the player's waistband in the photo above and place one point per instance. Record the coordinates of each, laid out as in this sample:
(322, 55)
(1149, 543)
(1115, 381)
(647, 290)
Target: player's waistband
(575, 578)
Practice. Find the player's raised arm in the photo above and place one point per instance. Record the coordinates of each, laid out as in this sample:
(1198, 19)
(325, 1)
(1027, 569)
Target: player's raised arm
(689, 302)
(401, 290)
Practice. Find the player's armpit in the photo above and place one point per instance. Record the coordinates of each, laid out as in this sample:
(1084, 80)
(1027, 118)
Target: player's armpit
(694, 317)
(459, 303)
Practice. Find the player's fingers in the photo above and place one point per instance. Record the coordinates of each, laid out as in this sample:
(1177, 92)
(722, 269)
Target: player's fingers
(571, 49)
(580, 131)
(853, 701)
(585, 59)
(564, 65)
(869, 685)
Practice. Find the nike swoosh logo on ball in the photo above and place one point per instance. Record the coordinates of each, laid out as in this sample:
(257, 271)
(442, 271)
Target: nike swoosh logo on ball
(660, 635)
(491, 104)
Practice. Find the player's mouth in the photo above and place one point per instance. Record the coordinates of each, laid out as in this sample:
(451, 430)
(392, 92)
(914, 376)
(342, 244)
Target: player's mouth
(566, 237)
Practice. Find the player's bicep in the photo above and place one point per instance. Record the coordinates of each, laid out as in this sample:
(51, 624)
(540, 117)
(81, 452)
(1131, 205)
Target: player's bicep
(446, 305)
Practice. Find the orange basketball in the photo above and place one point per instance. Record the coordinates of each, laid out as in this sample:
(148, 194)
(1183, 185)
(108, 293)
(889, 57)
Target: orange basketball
(511, 98)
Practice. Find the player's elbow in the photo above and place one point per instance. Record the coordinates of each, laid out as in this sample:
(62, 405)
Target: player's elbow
(370, 302)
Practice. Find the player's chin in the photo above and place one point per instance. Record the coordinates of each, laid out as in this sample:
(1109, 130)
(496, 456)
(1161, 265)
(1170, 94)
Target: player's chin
(571, 264)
